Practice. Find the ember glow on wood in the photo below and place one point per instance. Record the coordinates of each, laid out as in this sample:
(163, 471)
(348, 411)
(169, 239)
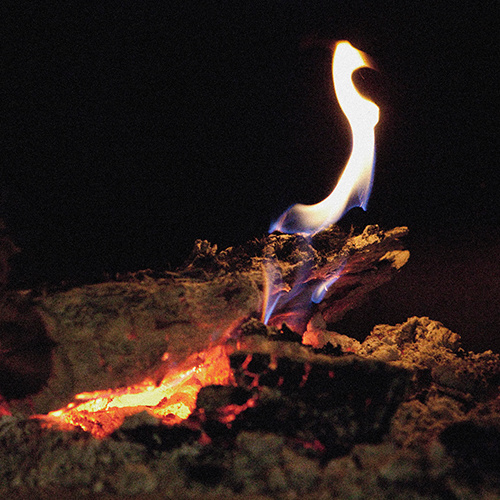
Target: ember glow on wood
(173, 399)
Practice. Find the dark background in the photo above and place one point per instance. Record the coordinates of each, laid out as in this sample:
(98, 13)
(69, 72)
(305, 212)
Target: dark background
(133, 128)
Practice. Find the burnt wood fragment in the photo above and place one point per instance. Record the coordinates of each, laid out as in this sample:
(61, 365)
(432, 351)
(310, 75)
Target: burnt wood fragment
(148, 431)
(337, 401)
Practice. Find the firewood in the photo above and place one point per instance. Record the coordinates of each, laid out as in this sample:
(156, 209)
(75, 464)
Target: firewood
(117, 333)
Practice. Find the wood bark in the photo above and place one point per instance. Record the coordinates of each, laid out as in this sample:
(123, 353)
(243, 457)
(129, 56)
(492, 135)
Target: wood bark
(55, 344)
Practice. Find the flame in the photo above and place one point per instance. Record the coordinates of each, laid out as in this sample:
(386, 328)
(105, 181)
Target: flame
(322, 289)
(274, 289)
(292, 305)
(172, 400)
(283, 303)
(355, 183)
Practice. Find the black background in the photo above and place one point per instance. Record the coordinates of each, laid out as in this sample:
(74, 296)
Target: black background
(133, 128)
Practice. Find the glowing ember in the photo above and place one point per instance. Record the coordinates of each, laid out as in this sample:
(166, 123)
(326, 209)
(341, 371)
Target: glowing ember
(172, 400)
(355, 183)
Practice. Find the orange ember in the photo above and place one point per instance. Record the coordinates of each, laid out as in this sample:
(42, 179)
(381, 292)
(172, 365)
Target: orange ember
(172, 400)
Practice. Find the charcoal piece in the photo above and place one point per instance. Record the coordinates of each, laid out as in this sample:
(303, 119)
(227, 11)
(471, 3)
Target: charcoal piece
(157, 438)
(338, 401)
(271, 378)
(329, 349)
(258, 363)
(213, 397)
(237, 359)
(220, 433)
(216, 406)
(286, 334)
(290, 371)
(278, 415)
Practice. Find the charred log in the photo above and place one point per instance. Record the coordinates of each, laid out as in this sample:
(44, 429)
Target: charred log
(335, 401)
(441, 440)
(116, 333)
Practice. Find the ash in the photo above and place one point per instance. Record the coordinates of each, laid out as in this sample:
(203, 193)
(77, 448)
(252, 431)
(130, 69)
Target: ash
(442, 438)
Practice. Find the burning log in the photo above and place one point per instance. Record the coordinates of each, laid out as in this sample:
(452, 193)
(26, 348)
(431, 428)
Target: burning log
(119, 333)
(283, 407)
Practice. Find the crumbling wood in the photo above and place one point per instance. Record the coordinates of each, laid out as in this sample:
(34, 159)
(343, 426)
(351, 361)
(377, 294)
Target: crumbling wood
(120, 332)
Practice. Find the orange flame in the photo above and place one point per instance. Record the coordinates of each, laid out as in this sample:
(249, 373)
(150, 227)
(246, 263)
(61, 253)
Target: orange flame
(355, 183)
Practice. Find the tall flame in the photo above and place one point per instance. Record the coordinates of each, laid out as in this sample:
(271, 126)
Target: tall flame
(355, 183)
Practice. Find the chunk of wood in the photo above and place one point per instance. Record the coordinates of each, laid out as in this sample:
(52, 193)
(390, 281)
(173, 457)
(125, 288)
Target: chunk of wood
(118, 333)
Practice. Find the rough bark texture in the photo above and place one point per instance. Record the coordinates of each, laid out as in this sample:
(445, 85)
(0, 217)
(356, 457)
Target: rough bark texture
(116, 334)
(442, 441)
(62, 342)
